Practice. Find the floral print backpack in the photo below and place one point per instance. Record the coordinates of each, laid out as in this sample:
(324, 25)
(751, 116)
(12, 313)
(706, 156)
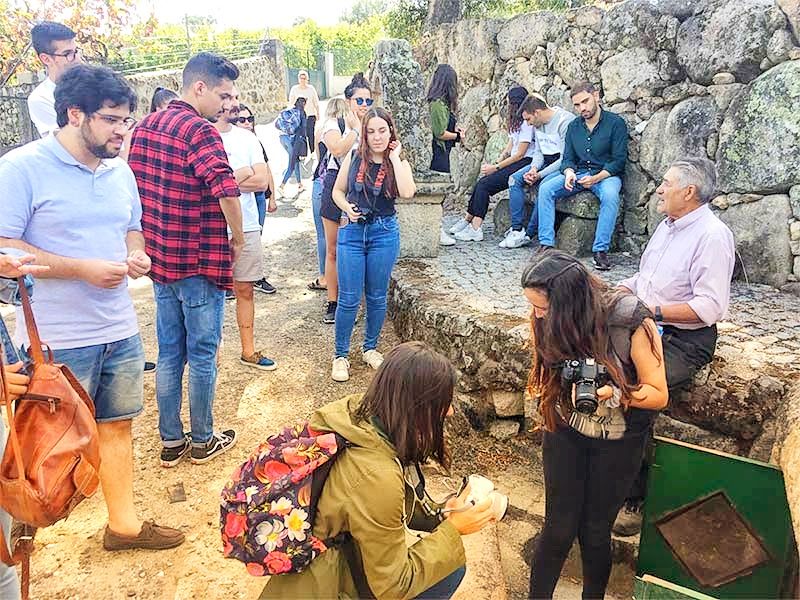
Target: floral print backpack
(267, 508)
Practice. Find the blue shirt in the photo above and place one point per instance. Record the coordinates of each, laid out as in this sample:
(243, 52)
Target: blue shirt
(605, 147)
(59, 205)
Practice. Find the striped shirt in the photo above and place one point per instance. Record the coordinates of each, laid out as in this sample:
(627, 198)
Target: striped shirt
(182, 171)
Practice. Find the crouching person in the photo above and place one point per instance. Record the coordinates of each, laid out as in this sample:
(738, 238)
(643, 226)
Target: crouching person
(372, 491)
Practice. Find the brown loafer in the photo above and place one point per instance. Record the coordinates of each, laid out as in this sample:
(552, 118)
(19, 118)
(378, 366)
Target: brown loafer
(151, 537)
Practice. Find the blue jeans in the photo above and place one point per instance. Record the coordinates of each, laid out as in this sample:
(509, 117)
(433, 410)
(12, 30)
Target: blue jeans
(9, 584)
(261, 205)
(189, 327)
(287, 141)
(112, 374)
(446, 587)
(607, 191)
(365, 256)
(316, 204)
(516, 203)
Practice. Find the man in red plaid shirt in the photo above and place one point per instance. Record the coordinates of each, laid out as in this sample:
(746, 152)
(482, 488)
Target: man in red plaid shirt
(189, 199)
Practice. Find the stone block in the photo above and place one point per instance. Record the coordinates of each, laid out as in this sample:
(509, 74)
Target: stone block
(507, 404)
(420, 220)
(794, 200)
(631, 74)
(692, 434)
(583, 204)
(503, 430)
(576, 236)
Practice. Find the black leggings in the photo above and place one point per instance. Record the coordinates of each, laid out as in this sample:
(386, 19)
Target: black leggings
(485, 187)
(311, 122)
(586, 481)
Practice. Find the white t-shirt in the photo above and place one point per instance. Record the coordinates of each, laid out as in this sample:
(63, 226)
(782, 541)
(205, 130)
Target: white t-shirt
(42, 107)
(244, 150)
(525, 134)
(333, 125)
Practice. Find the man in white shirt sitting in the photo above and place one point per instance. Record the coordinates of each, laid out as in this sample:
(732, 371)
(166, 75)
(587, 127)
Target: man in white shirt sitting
(56, 48)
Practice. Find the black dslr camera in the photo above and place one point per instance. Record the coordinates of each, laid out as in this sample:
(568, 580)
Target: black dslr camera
(587, 375)
(364, 215)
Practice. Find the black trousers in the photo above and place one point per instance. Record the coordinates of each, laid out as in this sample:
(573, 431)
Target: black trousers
(310, 124)
(686, 351)
(585, 482)
(487, 186)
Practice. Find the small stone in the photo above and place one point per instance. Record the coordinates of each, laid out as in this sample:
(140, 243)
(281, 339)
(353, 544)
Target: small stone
(794, 200)
(131, 593)
(795, 247)
(765, 65)
(794, 231)
(721, 202)
(622, 107)
(791, 288)
(503, 430)
(723, 78)
(794, 54)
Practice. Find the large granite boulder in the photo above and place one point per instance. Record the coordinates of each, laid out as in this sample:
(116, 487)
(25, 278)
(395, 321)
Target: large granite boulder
(727, 37)
(760, 136)
(762, 238)
(474, 111)
(631, 74)
(576, 57)
(520, 35)
(495, 146)
(638, 23)
(403, 91)
(470, 47)
(791, 9)
(677, 132)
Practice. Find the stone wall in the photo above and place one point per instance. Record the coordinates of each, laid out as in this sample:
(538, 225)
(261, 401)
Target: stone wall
(15, 125)
(261, 83)
(714, 78)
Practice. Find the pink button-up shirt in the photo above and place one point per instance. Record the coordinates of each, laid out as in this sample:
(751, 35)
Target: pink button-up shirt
(689, 260)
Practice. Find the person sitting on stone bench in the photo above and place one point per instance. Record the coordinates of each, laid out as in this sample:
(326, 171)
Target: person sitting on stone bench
(550, 132)
(494, 178)
(685, 279)
(595, 151)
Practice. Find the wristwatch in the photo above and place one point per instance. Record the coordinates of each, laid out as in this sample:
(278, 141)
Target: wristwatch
(658, 314)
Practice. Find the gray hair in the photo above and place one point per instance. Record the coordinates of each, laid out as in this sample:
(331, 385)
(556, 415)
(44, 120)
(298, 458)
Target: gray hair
(699, 172)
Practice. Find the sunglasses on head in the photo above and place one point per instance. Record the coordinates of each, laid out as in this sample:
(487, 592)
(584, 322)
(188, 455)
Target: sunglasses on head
(363, 101)
(242, 120)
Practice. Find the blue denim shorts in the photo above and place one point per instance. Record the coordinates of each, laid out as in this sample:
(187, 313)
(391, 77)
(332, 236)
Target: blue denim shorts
(112, 374)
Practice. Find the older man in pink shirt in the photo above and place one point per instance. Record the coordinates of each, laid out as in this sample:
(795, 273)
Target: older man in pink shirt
(685, 278)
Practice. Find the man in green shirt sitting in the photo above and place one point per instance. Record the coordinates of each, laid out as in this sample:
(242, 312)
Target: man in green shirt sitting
(595, 151)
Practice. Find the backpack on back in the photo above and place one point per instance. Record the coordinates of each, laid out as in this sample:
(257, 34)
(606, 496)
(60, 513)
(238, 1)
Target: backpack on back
(288, 121)
(322, 165)
(267, 509)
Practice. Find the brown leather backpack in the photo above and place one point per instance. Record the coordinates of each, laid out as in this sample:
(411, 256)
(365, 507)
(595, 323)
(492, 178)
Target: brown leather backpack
(52, 457)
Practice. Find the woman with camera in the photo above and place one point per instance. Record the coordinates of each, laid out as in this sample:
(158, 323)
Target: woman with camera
(594, 440)
(370, 180)
(373, 491)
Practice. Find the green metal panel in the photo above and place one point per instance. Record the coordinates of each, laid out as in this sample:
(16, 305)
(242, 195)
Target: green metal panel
(682, 474)
(653, 588)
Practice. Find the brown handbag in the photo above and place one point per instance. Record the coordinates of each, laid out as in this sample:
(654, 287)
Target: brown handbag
(52, 458)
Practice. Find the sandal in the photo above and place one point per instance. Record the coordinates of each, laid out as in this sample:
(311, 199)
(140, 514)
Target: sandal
(316, 285)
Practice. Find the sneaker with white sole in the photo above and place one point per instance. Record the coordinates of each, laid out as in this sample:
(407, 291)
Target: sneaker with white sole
(502, 243)
(340, 371)
(460, 224)
(219, 443)
(445, 240)
(373, 358)
(516, 239)
(470, 234)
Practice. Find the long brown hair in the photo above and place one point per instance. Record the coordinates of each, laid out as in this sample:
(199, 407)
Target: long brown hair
(576, 326)
(410, 396)
(365, 154)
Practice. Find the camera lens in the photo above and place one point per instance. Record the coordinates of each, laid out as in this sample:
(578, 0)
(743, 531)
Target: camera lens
(585, 398)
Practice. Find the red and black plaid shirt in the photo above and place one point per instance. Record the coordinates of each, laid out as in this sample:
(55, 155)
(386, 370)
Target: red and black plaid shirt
(182, 171)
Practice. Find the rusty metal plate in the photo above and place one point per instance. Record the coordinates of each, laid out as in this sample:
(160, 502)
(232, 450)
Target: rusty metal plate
(712, 541)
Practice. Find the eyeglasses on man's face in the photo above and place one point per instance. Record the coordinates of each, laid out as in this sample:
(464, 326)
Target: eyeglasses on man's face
(69, 55)
(243, 120)
(116, 122)
(363, 101)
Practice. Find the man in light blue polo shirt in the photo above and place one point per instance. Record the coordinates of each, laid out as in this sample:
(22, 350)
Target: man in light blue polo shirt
(70, 202)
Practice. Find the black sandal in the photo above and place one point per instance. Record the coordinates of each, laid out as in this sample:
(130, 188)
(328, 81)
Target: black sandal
(315, 285)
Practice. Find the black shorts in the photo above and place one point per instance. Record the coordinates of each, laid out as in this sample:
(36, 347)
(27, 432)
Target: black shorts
(327, 207)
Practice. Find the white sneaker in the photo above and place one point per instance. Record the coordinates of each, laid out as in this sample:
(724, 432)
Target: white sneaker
(503, 242)
(445, 240)
(460, 224)
(340, 371)
(516, 239)
(373, 358)
(469, 234)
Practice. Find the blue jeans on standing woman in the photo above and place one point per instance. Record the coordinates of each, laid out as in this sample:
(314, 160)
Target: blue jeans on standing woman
(607, 191)
(365, 256)
(316, 203)
(188, 327)
(287, 141)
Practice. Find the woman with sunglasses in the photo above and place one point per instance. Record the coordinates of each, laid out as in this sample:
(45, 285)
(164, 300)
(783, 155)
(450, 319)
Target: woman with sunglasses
(370, 180)
(591, 453)
(374, 491)
(304, 89)
(359, 98)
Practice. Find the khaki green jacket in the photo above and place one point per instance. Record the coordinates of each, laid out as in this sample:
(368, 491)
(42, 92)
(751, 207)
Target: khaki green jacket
(366, 495)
